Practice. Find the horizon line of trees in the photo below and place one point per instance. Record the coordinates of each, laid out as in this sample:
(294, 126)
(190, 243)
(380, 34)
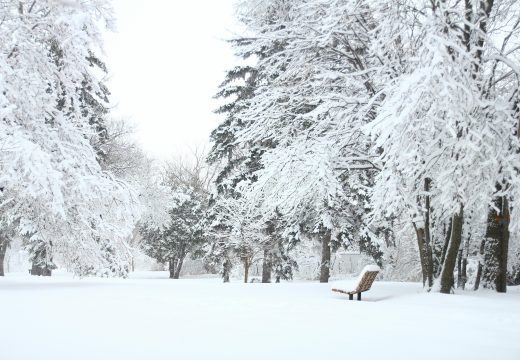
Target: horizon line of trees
(387, 128)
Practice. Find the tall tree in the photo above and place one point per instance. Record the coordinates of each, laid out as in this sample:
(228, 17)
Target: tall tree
(443, 138)
(50, 171)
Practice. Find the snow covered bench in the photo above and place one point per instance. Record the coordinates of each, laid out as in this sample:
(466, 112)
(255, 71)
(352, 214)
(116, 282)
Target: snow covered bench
(363, 283)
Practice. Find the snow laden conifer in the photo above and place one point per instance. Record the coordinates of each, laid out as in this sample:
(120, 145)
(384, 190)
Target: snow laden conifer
(183, 235)
(236, 163)
(310, 107)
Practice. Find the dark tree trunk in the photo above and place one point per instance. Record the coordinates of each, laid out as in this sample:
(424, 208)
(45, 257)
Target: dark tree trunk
(171, 268)
(226, 270)
(266, 267)
(464, 268)
(497, 243)
(478, 277)
(447, 280)
(419, 232)
(3, 250)
(178, 268)
(464, 273)
(447, 236)
(247, 265)
(459, 268)
(501, 282)
(425, 255)
(480, 267)
(325, 257)
(427, 238)
(424, 241)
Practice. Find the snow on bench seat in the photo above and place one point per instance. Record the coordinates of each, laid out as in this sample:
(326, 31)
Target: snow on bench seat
(363, 283)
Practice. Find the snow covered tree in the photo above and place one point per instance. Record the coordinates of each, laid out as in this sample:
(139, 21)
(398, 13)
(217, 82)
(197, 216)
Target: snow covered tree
(441, 121)
(50, 177)
(277, 246)
(183, 235)
(366, 119)
(303, 107)
(235, 233)
(125, 159)
(236, 162)
(7, 233)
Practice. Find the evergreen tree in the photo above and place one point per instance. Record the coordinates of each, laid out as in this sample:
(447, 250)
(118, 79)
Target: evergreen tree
(182, 236)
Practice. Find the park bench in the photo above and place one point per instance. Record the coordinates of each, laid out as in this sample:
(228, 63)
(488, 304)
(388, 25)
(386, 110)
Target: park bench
(363, 283)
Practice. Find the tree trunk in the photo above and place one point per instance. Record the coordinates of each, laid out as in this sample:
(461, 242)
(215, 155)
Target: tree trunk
(478, 276)
(480, 267)
(419, 232)
(422, 232)
(178, 268)
(459, 268)
(447, 280)
(3, 250)
(501, 282)
(464, 274)
(266, 267)
(247, 264)
(497, 243)
(447, 236)
(425, 256)
(427, 237)
(226, 270)
(325, 257)
(171, 268)
(464, 270)
(464, 267)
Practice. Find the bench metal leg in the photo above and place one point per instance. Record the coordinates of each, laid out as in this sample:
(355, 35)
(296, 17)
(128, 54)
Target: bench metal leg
(351, 296)
(359, 296)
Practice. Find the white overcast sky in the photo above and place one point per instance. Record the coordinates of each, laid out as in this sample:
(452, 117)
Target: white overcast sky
(166, 61)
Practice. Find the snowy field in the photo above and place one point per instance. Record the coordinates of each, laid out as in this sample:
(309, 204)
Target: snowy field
(149, 317)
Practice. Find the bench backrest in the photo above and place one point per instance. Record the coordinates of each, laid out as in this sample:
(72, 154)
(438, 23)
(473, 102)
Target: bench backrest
(366, 281)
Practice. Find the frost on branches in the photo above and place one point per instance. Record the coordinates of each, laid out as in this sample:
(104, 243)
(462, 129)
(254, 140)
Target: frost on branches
(314, 167)
(387, 127)
(53, 189)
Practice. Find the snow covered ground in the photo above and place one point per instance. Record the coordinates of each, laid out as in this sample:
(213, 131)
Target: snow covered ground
(149, 317)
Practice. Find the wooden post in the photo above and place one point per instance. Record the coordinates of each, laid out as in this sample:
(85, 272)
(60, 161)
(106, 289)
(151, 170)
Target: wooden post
(351, 296)
(359, 296)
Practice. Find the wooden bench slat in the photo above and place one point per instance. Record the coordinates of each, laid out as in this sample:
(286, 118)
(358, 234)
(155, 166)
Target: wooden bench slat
(368, 277)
